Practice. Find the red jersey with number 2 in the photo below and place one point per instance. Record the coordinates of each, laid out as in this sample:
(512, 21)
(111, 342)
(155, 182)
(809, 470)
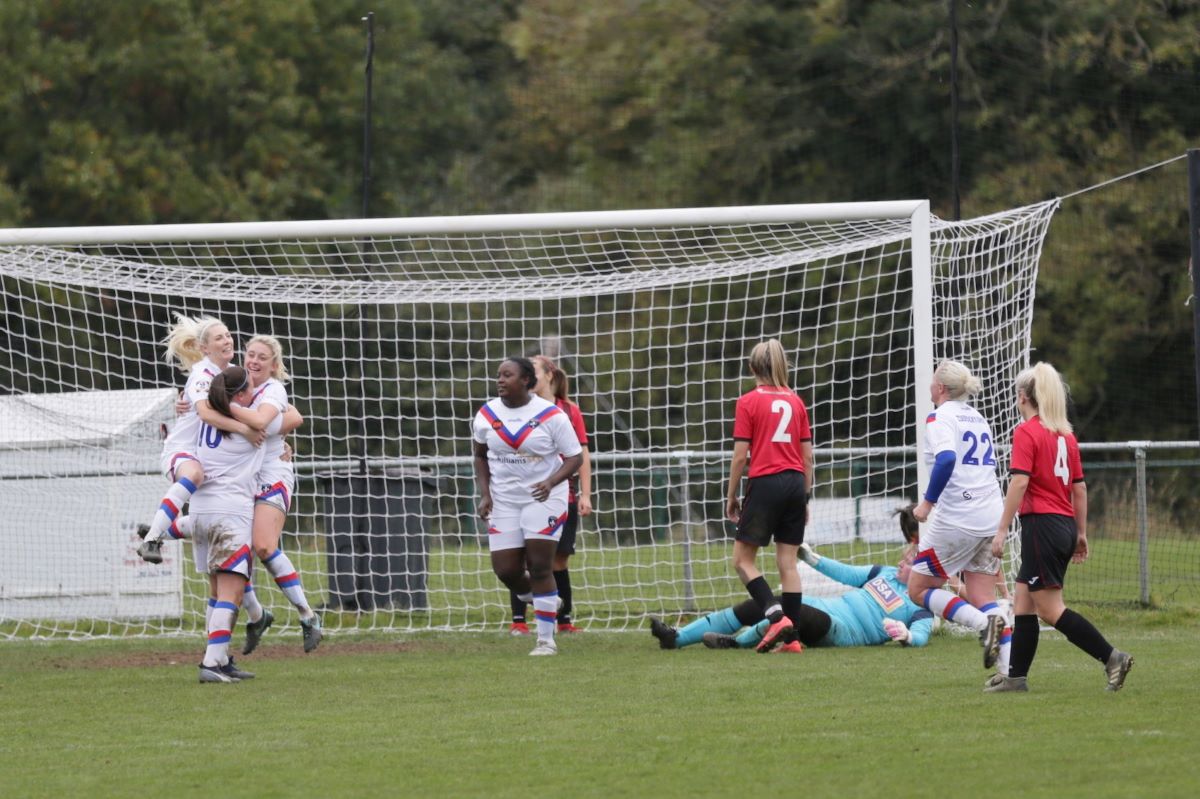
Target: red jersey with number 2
(1052, 462)
(775, 422)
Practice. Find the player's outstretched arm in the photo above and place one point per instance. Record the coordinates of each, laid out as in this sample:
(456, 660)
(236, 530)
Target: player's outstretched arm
(844, 573)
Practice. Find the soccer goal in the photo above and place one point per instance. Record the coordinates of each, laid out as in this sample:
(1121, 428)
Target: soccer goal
(393, 329)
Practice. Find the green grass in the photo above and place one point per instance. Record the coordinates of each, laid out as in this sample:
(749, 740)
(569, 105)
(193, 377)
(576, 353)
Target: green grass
(612, 715)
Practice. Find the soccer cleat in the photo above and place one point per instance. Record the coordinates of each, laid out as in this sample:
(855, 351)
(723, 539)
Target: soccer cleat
(1119, 664)
(230, 669)
(518, 628)
(1000, 684)
(719, 641)
(995, 679)
(568, 627)
(142, 529)
(779, 632)
(545, 646)
(255, 630)
(791, 646)
(215, 674)
(665, 633)
(311, 628)
(151, 551)
(991, 640)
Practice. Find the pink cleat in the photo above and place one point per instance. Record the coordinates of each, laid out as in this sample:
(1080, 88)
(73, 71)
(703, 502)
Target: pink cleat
(778, 633)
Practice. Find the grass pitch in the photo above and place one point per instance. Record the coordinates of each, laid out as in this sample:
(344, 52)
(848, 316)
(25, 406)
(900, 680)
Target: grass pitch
(611, 715)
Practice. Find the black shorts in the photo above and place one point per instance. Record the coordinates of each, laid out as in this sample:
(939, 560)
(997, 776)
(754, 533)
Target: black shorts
(566, 543)
(775, 506)
(1047, 544)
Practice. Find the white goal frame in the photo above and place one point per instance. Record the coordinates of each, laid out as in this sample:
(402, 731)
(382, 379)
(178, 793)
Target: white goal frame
(42, 255)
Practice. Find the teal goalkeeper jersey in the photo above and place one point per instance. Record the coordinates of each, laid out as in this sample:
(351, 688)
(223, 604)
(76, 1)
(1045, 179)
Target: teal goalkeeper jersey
(858, 615)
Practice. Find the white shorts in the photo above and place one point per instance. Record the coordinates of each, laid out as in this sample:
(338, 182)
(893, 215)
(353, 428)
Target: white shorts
(169, 460)
(221, 543)
(944, 553)
(276, 485)
(510, 526)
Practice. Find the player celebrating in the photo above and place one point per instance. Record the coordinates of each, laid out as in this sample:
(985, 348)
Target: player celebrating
(875, 612)
(770, 428)
(960, 450)
(269, 409)
(524, 451)
(552, 387)
(222, 513)
(202, 348)
(1046, 486)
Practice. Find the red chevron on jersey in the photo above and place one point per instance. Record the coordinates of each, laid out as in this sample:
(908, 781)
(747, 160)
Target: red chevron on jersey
(515, 438)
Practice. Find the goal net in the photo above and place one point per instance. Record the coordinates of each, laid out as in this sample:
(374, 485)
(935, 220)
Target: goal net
(393, 330)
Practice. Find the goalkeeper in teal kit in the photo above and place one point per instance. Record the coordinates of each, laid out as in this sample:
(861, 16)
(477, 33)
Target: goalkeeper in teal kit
(876, 611)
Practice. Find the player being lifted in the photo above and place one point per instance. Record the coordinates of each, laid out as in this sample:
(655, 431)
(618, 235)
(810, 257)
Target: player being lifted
(202, 348)
(525, 449)
(960, 450)
(875, 612)
(770, 428)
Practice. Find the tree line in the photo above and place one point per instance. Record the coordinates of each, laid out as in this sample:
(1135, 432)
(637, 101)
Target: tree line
(157, 111)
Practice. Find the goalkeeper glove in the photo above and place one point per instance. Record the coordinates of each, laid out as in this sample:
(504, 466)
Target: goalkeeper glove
(897, 631)
(808, 556)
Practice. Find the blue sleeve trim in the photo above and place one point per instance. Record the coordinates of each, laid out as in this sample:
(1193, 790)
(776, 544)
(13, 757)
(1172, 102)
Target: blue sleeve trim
(871, 575)
(943, 467)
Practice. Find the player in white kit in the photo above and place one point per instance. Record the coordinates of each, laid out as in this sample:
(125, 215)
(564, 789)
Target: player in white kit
(201, 347)
(525, 449)
(222, 513)
(269, 411)
(276, 490)
(960, 451)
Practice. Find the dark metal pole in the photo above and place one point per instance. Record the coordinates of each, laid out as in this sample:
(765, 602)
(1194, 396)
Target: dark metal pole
(954, 173)
(370, 70)
(366, 212)
(1193, 162)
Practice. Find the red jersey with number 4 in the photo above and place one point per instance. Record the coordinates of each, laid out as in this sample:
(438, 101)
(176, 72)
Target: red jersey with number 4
(1052, 462)
(775, 422)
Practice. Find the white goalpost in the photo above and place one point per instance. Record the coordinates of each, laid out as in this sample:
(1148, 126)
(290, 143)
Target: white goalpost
(393, 329)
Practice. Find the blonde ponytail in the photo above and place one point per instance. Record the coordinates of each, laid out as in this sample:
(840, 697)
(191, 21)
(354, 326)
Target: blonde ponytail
(1043, 386)
(958, 380)
(182, 344)
(768, 363)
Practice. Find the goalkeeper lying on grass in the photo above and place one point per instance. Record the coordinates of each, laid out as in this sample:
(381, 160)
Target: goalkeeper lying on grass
(878, 610)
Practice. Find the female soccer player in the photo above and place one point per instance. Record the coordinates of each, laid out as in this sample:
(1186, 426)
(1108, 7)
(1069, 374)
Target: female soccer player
(875, 612)
(270, 410)
(525, 450)
(1046, 487)
(960, 449)
(770, 427)
(222, 511)
(552, 387)
(201, 347)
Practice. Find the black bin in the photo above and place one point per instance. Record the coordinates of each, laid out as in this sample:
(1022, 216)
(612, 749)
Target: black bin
(378, 542)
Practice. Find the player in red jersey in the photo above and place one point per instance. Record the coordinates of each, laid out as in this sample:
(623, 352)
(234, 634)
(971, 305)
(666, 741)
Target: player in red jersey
(1046, 486)
(771, 428)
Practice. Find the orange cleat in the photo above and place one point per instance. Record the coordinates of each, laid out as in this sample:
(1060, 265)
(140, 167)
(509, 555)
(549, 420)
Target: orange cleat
(778, 633)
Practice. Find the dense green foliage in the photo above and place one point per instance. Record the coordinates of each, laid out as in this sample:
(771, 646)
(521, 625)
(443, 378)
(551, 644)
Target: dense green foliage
(611, 715)
(150, 111)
